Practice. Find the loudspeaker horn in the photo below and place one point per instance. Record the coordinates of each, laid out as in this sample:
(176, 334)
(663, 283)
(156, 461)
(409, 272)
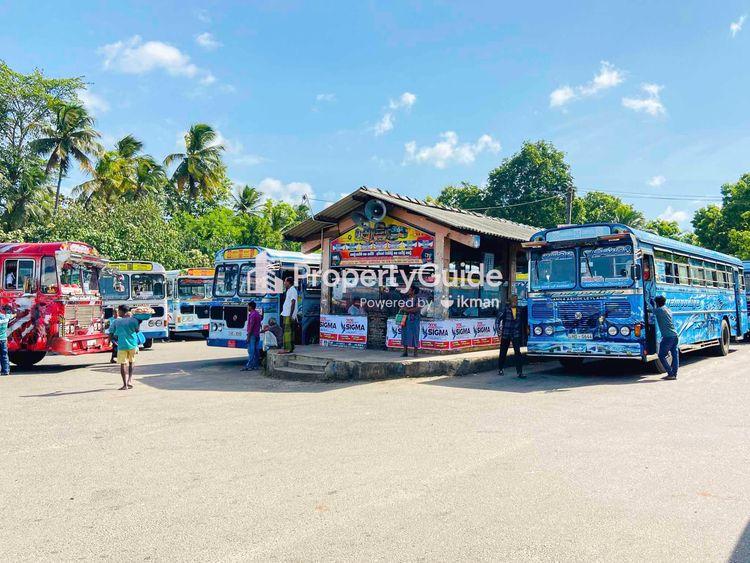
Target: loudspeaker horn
(375, 210)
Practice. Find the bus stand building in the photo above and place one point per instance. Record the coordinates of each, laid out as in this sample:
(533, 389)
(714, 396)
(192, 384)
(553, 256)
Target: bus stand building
(373, 229)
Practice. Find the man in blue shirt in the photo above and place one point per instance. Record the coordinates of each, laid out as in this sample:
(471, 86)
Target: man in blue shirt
(124, 330)
(5, 317)
(670, 342)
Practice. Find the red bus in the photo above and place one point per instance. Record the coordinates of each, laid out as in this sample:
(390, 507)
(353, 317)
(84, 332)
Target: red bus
(53, 290)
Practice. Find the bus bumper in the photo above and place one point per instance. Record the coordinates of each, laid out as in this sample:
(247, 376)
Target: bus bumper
(235, 343)
(83, 344)
(190, 327)
(155, 333)
(585, 349)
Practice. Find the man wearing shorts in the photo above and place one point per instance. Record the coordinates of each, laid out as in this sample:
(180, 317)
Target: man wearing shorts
(124, 331)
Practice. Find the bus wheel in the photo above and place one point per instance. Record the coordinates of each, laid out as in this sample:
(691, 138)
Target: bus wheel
(571, 364)
(657, 367)
(149, 342)
(26, 359)
(722, 349)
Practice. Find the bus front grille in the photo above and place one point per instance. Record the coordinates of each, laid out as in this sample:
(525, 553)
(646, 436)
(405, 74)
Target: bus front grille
(541, 310)
(618, 310)
(202, 311)
(579, 314)
(84, 314)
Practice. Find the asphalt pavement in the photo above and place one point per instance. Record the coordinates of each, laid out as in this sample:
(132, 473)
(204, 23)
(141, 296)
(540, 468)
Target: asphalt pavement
(200, 461)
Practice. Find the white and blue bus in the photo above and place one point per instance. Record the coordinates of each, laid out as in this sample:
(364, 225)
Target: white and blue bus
(234, 288)
(592, 288)
(189, 297)
(136, 284)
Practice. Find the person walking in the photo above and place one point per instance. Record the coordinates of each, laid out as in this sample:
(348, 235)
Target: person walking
(509, 329)
(670, 341)
(113, 357)
(254, 320)
(5, 317)
(410, 327)
(124, 331)
(288, 315)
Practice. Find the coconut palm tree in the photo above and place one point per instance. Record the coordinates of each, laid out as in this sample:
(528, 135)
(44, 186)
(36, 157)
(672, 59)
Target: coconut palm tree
(71, 136)
(30, 201)
(200, 171)
(247, 200)
(123, 173)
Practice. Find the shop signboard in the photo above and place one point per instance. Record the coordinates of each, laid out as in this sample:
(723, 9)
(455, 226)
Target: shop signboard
(449, 334)
(383, 243)
(343, 330)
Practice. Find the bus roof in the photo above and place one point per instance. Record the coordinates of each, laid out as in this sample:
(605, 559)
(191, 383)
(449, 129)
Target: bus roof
(652, 239)
(47, 248)
(136, 266)
(248, 252)
(207, 273)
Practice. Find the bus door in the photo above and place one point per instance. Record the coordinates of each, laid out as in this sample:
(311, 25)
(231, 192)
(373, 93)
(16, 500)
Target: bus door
(738, 291)
(649, 292)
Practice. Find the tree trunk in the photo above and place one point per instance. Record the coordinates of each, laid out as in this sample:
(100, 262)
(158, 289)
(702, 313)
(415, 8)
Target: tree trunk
(57, 194)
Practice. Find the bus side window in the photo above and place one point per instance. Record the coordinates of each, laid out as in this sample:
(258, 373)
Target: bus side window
(19, 274)
(49, 275)
(10, 274)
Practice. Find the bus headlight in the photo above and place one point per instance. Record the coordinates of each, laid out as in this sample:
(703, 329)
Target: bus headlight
(150, 323)
(625, 331)
(538, 330)
(548, 330)
(612, 331)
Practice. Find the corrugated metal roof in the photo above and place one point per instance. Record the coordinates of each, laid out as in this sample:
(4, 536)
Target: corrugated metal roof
(458, 219)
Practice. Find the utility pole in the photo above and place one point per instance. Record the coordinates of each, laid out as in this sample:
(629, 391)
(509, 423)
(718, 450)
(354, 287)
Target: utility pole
(569, 203)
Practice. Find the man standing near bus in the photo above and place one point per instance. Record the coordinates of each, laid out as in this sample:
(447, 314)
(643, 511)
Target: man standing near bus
(254, 320)
(124, 331)
(5, 317)
(670, 342)
(288, 314)
(509, 330)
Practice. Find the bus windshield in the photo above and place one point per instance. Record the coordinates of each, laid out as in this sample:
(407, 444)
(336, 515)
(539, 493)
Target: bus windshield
(226, 280)
(607, 266)
(193, 288)
(554, 270)
(115, 287)
(79, 278)
(147, 286)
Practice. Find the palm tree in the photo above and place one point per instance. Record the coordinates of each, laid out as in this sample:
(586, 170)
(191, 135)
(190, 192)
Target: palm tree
(123, 173)
(627, 215)
(71, 136)
(247, 200)
(30, 201)
(200, 171)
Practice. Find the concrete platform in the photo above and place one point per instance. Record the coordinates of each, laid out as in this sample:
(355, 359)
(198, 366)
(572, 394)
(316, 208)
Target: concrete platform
(315, 363)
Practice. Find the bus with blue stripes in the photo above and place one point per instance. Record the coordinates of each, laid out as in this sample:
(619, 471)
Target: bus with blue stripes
(235, 286)
(592, 289)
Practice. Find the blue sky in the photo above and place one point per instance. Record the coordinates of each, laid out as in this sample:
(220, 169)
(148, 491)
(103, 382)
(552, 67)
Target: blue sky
(323, 97)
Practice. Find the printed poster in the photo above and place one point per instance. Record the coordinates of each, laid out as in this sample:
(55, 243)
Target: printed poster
(344, 331)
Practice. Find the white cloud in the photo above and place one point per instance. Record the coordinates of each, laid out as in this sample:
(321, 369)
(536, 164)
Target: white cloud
(134, 56)
(325, 98)
(404, 102)
(657, 181)
(207, 41)
(278, 190)
(736, 27)
(449, 150)
(650, 104)
(92, 102)
(608, 77)
(385, 124)
(202, 15)
(679, 215)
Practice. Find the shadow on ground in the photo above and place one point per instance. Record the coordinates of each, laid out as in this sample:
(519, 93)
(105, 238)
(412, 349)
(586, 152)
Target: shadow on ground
(741, 553)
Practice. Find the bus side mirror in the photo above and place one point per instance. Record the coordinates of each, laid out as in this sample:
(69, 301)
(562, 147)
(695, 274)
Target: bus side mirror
(636, 271)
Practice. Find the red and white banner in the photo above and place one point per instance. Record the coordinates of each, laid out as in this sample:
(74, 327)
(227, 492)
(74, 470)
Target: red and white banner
(449, 334)
(341, 330)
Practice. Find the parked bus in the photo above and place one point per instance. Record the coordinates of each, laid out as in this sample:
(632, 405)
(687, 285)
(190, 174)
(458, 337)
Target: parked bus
(592, 289)
(53, 289)
(234, 286)
(137, 284)
(189, 297)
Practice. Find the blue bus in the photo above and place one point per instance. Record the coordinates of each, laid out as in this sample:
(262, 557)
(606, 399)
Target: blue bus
(592, 288)
(234, 287)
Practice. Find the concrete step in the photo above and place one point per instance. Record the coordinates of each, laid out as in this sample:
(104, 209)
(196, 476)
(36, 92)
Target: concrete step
(297, 374)
(307, 365)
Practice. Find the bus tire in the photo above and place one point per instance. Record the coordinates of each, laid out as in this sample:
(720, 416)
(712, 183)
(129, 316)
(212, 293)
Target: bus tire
(657, 367)
(148, 343)
(571, 364)
(722, 348)
(26, 359)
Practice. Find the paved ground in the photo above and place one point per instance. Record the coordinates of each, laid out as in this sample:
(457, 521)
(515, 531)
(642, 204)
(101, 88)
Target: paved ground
(201, 462)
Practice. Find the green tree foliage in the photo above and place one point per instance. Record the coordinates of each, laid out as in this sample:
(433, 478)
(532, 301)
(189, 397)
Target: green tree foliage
(600, 207)
(462, 196)
(726, 228)
(530, 186)
(247, 200)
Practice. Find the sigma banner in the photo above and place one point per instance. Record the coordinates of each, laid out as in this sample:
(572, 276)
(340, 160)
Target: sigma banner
(341, 330)
(449, 334)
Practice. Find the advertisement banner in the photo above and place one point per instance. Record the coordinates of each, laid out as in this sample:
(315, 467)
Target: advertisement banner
(385, 242)
(341, 330)
(450, 334)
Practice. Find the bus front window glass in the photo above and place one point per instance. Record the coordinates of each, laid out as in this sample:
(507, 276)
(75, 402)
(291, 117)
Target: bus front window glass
(114, 287)
(147, 286)
(607, 266)
(554, 270)
(90, 279)
(226, 280)
(49, 275)
(192, 288)
(248, 284)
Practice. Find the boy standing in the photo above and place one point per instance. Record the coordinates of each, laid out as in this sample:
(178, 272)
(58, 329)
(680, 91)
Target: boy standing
(253, 335)
(5, 317)
(669, 340)
(124, 330)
